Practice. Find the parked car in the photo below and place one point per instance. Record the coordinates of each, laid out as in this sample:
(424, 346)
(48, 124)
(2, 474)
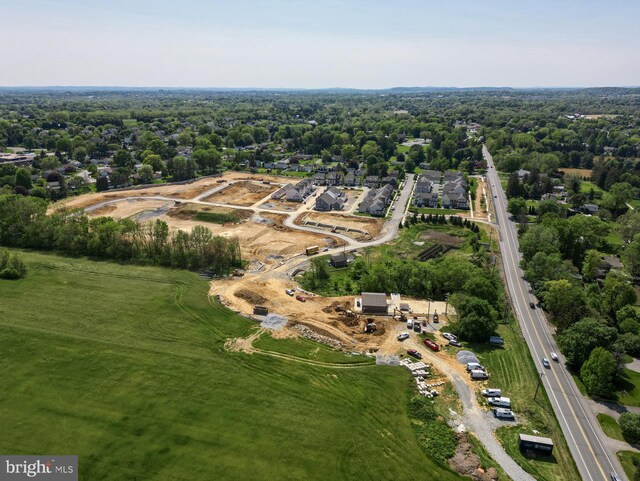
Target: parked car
(502, 402)
(455, 344)
(478, 375)
(449, 336)
(431, 345)
(301, 299)
(503, 413)
(532, 305)
(474, 365)
(410, 324)
(554, 356)
(417, 327)
(290, 292)
(402, 336)
(545, 363)
(414, 353)
(491, 392)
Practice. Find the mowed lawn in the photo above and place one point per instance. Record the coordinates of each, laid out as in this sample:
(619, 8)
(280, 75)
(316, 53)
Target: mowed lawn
(125, 367)
(512, 370)
(610, 426)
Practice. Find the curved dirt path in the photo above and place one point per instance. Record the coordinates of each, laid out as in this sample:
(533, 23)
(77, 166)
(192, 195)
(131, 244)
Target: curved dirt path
(245, 344)
(474, 415)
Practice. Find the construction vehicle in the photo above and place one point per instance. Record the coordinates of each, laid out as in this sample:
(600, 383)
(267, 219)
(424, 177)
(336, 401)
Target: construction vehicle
(402, 316)
(370, 328)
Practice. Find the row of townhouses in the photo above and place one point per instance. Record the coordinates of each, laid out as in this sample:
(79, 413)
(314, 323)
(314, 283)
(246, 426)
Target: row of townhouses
(454, 190)
(377, 200)
(332, 199)
(294, 192)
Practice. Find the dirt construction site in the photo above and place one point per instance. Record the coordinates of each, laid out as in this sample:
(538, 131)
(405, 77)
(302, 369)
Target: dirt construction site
(272, 241)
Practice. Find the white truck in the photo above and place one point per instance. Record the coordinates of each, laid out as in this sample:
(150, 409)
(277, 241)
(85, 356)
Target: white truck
(501, 402)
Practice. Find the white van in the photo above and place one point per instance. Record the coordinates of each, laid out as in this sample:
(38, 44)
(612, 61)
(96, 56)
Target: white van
(474, 365)
(501, 402)
(410, 324)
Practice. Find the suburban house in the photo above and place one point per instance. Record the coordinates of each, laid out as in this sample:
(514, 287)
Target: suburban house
(297, 192)
(450, 176)
(426, 199)
(454, 191)
(423, 185)
(522, 173)
(332, 199)
(334, 178)
(350, 179)
(371, 181)
(282, 164)
(377, 200)
(590, 209)
(432, 175)
(319, 178)
(391, 180)
(453, 200)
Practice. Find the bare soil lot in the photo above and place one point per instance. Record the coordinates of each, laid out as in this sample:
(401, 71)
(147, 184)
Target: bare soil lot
(244, 193)
(283, 205)
(178, 191)
(441, 238)
(370, 225)
(132, 208)
(192, 211)
(578, 172)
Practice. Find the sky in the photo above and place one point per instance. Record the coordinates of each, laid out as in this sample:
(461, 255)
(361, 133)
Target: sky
(320, 44)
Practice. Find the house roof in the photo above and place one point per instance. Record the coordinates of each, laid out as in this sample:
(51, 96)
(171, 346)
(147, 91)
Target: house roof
(343, 257)
(374, 299)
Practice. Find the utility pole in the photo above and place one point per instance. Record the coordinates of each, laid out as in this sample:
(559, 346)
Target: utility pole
(446, 305)
(538, 386)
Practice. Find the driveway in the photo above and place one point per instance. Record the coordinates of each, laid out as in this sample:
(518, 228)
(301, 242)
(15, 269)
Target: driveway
(477, 419)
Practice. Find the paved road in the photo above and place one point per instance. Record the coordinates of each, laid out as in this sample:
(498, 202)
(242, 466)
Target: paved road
(585, 438)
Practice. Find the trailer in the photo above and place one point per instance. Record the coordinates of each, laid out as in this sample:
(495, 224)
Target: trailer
(311, 250)
(535, 443)
(260, 310)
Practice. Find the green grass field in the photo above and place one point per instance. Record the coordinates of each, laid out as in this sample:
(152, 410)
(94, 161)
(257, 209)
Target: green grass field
(629, 388)
(626, 459)
(512, 369)
(439, 211)
(586, 186)
(309, 350)
(125, 366)
(216, 217)
(610, 426)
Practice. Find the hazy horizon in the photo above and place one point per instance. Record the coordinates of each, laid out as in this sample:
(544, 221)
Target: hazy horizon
(292, 44)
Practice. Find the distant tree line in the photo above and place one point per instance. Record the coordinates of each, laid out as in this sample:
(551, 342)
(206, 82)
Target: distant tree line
(595, 314)
(24, 222)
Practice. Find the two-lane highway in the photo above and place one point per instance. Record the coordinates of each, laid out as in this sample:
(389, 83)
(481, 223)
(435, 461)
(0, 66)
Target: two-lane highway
(579, 425)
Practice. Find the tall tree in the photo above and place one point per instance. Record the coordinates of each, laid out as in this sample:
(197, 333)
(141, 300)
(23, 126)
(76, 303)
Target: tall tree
(598, 372)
